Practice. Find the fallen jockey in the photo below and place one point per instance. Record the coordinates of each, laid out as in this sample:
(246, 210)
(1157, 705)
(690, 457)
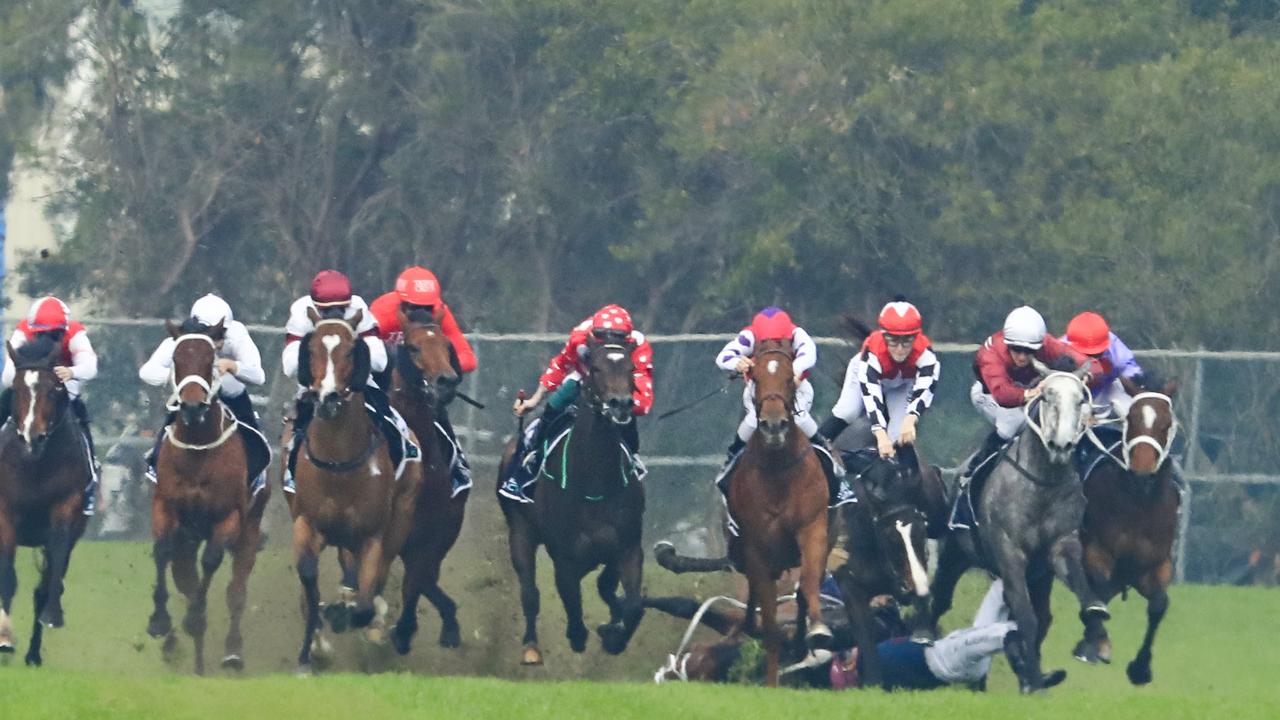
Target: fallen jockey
(332, 298)
(238, 364)
(562, 379)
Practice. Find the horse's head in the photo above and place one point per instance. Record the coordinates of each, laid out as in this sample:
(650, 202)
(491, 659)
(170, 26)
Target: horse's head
(194, 377)
(333, 362)
(775, 390)
(610, 383)
(39, 398)
(902, 529)
(1149, 430)
(426, 356)
(1062, 414)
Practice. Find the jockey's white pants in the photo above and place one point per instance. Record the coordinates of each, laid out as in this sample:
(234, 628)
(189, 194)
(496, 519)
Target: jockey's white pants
(1115, 397)
(851, 409)
(965, 655)
(803, 420)
(1008, 421)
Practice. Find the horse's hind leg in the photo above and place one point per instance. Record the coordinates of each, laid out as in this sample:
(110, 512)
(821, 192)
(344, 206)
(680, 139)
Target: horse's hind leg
(1153, 586)
(57, 554)
(615, 635)
(569, 585)
(607, 587)
(307, 545)
(524, 559)
(411, 588)
(1068, 565)
(450, 631)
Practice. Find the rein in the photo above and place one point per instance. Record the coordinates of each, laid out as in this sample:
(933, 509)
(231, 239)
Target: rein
(229, 429)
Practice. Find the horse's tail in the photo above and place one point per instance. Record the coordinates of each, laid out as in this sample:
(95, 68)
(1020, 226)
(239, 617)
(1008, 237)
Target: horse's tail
(856, 327)
(665, 553)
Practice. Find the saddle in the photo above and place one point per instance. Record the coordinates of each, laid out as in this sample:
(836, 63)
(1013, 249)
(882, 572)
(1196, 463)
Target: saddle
(962, 515)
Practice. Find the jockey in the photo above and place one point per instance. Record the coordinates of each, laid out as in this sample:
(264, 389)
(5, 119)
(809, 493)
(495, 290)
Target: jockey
(49, 317)
(562, 378)
(332, 298)
(238, 365)
(889, 385)
(418, 289)
(1006, 375)
(771, 323)
(1089, 334)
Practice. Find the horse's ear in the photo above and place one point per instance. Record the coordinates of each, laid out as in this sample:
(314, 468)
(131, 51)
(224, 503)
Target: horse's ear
(1170, 388)
(402, 318)
(362, 366)
(312, 314)
(219, 331)
(355, 320)
(173, 330)
(1082, 372)
(1040, 367)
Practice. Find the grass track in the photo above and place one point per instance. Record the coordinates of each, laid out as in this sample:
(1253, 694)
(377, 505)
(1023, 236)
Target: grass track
(1216, 657)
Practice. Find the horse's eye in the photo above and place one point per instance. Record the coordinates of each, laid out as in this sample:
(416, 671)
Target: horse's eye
(414, 350)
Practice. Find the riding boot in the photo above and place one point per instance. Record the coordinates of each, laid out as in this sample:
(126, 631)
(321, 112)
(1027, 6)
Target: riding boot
(393, 426)
(722, 477)
(241, 406)
(304, 410)
(82, 415)
(155, 449)
(990, 446)
(459, 467)
(838, 491)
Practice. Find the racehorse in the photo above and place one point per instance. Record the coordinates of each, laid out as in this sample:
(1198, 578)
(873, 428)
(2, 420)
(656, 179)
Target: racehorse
(347, 492)
(45, 473)
(1130, 522)
(1029, 513)
(422, 383)
(588, 510)
(202, 495)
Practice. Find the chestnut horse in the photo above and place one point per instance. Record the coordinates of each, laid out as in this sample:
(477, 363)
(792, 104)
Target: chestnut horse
(347, 494)
(202, 495)
(778, 495)
(422, 383)
(45, 474)
(1129, 525)
(588, 510)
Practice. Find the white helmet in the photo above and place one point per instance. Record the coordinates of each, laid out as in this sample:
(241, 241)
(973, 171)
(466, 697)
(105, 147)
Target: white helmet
(1024, 327)
(211, 310)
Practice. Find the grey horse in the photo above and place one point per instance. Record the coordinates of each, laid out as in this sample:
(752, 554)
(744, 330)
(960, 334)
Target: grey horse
(1029, 513)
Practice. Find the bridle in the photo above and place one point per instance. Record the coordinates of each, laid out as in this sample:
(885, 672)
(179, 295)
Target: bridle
(597, 403)
(1038, 427)
(346, 393)
(62, 403)
(226, 423)
(1127, 444)
(788, 402)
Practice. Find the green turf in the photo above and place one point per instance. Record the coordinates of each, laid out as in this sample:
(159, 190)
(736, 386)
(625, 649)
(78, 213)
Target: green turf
(1216, 656)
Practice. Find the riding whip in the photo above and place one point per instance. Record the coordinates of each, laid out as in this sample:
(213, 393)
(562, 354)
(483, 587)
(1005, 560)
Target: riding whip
(698, 401)
(520, 418)
(468, 399)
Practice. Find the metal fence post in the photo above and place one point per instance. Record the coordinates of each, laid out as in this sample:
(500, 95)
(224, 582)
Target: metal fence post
(1189, 468)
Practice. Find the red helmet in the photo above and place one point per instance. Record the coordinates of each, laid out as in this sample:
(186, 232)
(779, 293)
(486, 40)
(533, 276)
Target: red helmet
(900, 318)
(330, 288)
(48, 313)
(772, 323)
(1088, 332)
(418, 286)
(611, 318)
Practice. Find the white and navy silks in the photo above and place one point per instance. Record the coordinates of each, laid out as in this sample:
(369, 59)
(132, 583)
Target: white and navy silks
(805, 354)
(238, 346)
(872, 399)
(299, 326)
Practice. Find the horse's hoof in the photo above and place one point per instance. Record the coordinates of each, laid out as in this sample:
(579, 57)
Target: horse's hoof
(159, 626)
(1085, 652)
(1053, 679)
(401, 640)
(532, 655)
(51, 617)
(613, 638)
(362, 618)
(577, 641)
(1104, 651)
(663, 551)
(303, 671)
(1138, 674)
(819, 636)
(34, 661)
(450, 636)
(233, 662)
(338, 616)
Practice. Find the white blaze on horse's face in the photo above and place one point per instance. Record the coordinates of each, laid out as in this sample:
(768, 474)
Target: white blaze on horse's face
(1062, 414)
(1148, 417)
(616, 357)
(329, 385)
(32, 379)
(772, 367)
(919, 577)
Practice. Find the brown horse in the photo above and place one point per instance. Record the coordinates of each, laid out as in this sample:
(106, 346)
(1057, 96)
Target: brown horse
(778, 495)
(202, 495)
(1129, 525)
(347, 494)
(422, 382)
(45, 474)
(588, 510)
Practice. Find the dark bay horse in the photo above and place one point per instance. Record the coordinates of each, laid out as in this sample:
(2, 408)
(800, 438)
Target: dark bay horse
(202, 495)
(422, 383)
(347, 492)
(588, 510)
(45, 473)
(1130, 523)
(1029, 513)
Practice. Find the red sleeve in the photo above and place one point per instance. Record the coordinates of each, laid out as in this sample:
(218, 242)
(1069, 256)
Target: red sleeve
(384, 314)
(466, 356)
(642, 358)
(1055, 348)
(565, 362)
(994, 373)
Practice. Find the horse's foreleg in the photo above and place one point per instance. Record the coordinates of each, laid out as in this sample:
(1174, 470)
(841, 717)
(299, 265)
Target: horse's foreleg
(813, 565)
(607, 587)
(8, 583)
(372, 574)
(244, 556)
(766, 589)
(196, 620)
(162, 529)
(57, 554)
(569, 585)
(41, 594)
(1153, 586)
(615, 635)
(450, 631)
(411, 587)
(1068, 565)
(1013, 570)
(307, 544)
(524, 559)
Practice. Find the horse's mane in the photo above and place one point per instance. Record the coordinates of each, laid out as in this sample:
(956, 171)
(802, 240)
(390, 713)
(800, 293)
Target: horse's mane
(856, 327)
(421, 316)
(193, 326)
(35, 352)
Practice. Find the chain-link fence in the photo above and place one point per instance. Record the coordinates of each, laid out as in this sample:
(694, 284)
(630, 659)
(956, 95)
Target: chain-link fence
(1226, 406)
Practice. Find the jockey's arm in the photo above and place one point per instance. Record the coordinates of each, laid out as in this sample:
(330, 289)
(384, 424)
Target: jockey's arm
(84, 361)
(995, 377)
(642, 358)
(805, 352)
(466, 356)
(731, 358)
(1123, 361)
(155, 371)
(928, 370)
(289, 358)
(16, 340)
(246, 355)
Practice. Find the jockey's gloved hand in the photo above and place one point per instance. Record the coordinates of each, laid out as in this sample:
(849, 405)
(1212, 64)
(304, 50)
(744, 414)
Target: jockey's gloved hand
(907, 435)
(883, 444)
